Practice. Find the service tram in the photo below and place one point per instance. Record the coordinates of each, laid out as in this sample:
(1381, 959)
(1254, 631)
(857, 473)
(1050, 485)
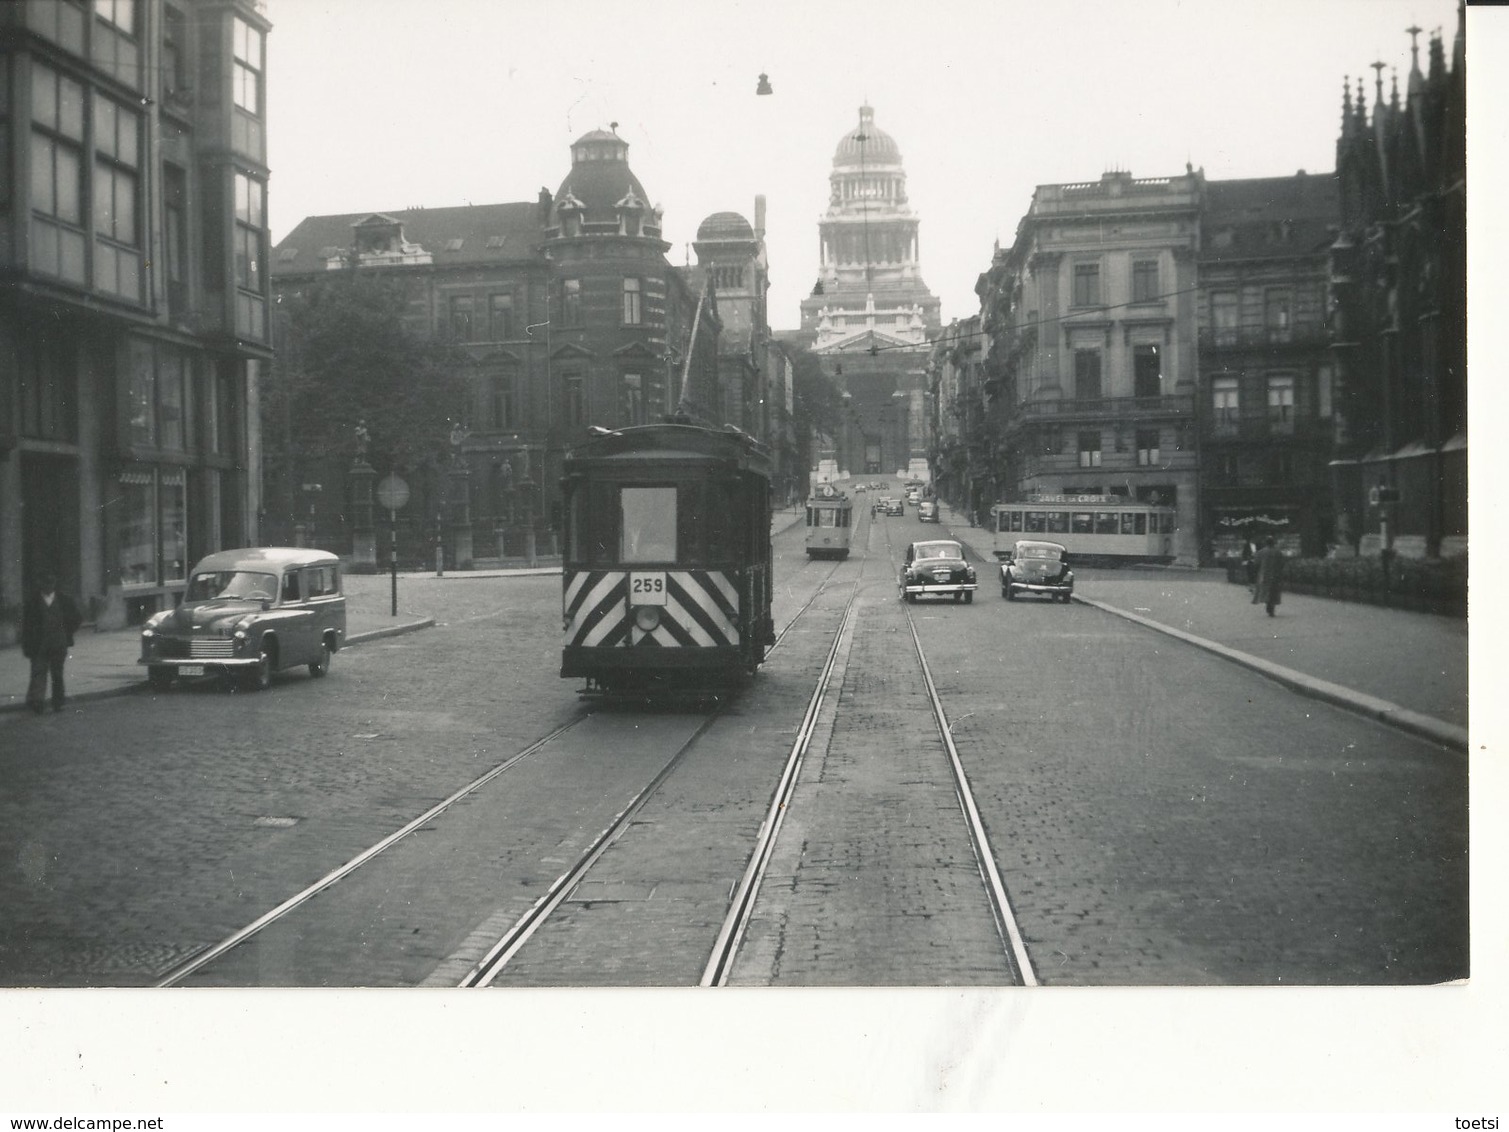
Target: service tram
(666, 563)
(1106, 529)
(830, 519)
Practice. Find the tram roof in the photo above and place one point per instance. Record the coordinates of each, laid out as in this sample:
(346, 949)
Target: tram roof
(675, 441)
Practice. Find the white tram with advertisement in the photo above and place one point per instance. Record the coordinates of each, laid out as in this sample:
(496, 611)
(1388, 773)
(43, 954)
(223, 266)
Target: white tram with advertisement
(830, 521)
(1103, 529)
(666, 566)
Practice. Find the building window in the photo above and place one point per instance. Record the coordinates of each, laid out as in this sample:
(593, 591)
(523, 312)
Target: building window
(1225, 317)
(57, 174)
(251, 224)
(1324, 388)
(633, 313)
(1147, 371)
(175, 49)
(1087, 374)
(1145, 281)
(1226, 468)
(631, 399)
(117, 267)
(246, 76)
(1225, 405)
(500, 317)
(175, 195)
(1276, 315)
(1086, 284)
(571, 302)
(1281, 404)
(157, 397)
(153, 526)
(502, 405)
(1147, 447)
(460, 321)
(576, 400)
(61, 21)
(1281, 468)
(48, 386)
(114, 49)
(1089, 450)
(172, 399)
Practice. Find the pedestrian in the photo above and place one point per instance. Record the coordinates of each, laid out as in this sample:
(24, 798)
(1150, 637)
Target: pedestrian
(1249, 561)
(49, 620)
(1269, 588)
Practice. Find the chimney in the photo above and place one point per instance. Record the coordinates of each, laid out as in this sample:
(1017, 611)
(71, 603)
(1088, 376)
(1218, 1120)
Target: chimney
(759, 224)
(545, 203)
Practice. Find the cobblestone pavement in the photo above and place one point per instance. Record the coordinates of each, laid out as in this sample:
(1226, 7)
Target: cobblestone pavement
(1158, 818)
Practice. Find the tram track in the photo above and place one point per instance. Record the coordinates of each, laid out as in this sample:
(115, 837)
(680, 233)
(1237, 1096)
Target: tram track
(499, 955)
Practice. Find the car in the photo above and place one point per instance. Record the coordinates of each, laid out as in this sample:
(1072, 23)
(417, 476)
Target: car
(1035, 567)
(859, 488)
(927, 511)
(247, 613)
(892, 505)
(937, 568)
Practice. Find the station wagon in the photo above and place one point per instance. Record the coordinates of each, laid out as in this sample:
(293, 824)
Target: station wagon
(247, 613)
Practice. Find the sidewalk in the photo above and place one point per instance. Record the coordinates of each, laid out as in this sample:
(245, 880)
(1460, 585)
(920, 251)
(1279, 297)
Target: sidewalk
(1406, 669)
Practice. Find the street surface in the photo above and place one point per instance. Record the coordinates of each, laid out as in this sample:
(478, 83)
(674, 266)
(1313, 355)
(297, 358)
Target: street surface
(1158, 816)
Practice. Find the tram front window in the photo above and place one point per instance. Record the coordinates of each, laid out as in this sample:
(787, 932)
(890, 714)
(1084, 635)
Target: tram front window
(649, 524)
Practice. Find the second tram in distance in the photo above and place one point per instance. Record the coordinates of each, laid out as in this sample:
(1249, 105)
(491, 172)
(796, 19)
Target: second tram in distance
(1106, 529)
(666, 565)
(830, 522)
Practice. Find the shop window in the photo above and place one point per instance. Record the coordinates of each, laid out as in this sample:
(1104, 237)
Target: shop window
(152, 532)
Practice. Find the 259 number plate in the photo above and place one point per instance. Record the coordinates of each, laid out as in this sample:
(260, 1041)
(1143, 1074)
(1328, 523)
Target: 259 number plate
(647, 587)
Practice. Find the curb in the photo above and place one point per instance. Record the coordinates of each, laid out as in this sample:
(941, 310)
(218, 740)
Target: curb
(127, 687)
(1384, 711)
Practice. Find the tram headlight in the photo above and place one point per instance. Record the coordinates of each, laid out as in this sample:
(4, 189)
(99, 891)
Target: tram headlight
(647, 618)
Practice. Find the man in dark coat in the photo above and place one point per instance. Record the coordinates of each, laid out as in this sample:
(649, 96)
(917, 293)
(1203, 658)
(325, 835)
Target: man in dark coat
(1270, 575)
(49, 620)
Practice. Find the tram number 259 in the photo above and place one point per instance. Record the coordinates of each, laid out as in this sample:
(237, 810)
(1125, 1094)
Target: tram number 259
(647, 587)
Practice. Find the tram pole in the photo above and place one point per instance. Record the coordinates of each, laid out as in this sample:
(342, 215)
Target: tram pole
(393, 554)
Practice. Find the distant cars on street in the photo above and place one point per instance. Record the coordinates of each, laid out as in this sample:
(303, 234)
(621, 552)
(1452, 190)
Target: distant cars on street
(937, 568)
(247, 613)
(1037, 568)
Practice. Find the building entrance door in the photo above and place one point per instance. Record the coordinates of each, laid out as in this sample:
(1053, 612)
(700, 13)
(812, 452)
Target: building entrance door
(49, 519)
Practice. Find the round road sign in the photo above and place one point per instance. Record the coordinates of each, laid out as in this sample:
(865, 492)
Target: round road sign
(392, 492)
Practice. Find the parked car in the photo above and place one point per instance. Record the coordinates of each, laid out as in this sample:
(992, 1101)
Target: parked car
(859, 488)
(1036, 568)
(247, 613)
(937, 568)
(893, 505)
(927, 511)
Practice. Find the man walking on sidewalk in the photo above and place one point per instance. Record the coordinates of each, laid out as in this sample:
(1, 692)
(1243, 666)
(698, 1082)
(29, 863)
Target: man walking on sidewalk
(48, 622)
(1270, 575)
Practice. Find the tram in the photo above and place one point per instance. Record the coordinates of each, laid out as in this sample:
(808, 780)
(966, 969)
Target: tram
(1105, 529)
(667, 560)
(830, 519)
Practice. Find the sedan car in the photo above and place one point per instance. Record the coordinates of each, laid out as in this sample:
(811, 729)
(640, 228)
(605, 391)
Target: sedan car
(1037, 568)
(247, 613)
(937, 568)
(927, 511)
(892, 505)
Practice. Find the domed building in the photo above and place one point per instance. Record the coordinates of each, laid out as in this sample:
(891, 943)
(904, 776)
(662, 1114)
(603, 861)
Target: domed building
(871, 306)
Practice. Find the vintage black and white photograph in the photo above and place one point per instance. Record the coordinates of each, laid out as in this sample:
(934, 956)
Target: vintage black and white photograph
(504, 496)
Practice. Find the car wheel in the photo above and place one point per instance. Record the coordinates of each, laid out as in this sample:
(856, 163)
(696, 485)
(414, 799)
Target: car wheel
(321, 667)
(957, 598)
(911, 599)
(159, 679)
(259, 679)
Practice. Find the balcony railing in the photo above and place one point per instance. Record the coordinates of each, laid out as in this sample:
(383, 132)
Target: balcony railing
(1086, 408)
(1254, 337)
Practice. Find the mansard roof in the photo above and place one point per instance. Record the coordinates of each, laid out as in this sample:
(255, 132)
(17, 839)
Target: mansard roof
(467, 234)
(1270, 216)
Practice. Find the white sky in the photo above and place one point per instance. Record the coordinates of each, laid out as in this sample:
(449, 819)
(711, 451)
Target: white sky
(387, 104)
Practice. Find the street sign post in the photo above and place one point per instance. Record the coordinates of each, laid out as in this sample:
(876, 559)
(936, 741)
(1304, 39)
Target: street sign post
(393, 493)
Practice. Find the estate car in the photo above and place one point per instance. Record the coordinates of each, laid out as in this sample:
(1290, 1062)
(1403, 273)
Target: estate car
(938, 568)
(247, 613)
(1035, 567)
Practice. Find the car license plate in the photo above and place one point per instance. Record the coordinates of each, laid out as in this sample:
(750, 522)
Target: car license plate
(191, 670)
(647, 587)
